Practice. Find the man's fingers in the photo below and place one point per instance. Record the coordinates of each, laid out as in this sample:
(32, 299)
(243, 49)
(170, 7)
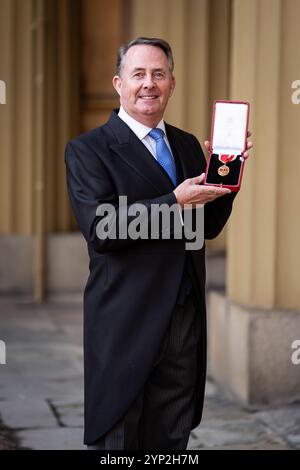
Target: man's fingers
(219, 192)
(208, 189)
(198, 179)
(209, 193)
(249, 146)
(194, 192)
(216, 189)
(201, 178)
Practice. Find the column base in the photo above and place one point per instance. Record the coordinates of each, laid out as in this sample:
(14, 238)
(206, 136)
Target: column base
(66, 265)
(250, 352)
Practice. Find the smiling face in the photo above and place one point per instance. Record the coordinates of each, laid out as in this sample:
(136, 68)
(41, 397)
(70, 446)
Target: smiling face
(145, 84)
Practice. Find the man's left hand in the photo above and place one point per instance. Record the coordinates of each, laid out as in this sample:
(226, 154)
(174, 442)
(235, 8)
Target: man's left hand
(249, 145)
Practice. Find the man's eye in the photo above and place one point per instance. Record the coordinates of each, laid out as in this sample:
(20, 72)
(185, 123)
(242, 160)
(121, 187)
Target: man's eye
(159, 75)
(138, 75)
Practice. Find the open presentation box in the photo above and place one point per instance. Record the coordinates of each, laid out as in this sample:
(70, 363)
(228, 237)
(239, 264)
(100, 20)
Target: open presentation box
(228, 142)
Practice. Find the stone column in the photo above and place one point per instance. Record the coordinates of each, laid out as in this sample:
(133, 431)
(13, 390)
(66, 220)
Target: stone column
(184, 24)
(16, 114)
(252, 330)
(38, 66)
(198, 31)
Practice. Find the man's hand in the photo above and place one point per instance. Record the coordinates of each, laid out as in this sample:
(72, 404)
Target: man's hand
(249, 145)
(191, 191)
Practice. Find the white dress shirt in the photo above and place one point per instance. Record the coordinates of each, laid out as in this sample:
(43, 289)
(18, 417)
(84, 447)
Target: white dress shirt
(142, 131)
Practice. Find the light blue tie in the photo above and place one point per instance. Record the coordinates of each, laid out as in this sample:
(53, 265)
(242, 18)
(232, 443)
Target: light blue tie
(163, 154)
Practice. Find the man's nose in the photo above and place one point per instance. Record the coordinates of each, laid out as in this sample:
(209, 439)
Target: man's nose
(148, 81)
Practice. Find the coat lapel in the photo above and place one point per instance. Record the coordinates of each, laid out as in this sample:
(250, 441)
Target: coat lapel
(137, 156)
(189, 166)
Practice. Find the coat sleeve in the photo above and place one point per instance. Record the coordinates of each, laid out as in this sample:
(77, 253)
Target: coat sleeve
(217, 212)
(102, 220)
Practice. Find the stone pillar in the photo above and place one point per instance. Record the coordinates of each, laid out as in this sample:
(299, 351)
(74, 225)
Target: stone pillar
(198, 31)
(251, 331)
(16, 171)
(184, 24)
(38, 58)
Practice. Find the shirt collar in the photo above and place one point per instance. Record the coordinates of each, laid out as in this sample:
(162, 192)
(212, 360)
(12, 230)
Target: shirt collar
(140, 130)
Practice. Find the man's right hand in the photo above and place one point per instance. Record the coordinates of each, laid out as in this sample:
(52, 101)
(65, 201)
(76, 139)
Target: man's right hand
(192, 191)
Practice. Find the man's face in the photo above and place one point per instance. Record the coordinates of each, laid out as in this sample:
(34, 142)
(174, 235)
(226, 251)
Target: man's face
(146, 84)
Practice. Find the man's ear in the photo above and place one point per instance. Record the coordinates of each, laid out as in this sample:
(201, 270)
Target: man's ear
(116, 81)
(173, 85)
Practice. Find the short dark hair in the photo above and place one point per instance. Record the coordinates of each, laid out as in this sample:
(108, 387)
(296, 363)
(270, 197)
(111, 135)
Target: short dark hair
(156, 42)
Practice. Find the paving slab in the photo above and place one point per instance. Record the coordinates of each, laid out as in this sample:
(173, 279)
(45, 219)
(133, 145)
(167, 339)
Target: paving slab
(285, 421)
(52, 439)
(27, 413)
(236, 433)
(69, 414)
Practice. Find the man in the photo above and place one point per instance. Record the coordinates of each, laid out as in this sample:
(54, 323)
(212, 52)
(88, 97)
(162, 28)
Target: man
(144, 302)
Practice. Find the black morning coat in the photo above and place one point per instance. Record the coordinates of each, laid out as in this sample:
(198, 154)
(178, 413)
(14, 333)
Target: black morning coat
(133, 284)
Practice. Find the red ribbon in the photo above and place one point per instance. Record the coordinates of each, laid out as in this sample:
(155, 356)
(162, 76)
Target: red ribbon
(226, 158)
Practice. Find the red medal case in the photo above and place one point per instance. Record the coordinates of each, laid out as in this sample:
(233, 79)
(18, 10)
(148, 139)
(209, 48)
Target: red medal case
(228, 142)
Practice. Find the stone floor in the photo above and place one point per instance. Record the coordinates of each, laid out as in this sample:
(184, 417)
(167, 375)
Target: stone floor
(41, 389)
